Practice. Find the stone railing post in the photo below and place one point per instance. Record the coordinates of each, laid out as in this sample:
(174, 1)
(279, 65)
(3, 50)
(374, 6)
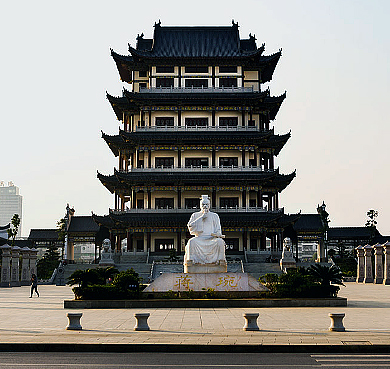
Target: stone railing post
(360, 265)
(5, 266)
(387, 263)
(33, 261)
(15, 280)
(25, 277)
(368, 278)
(378, 263)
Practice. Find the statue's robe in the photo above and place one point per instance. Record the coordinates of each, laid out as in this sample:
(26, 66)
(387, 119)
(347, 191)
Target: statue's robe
(205, 248)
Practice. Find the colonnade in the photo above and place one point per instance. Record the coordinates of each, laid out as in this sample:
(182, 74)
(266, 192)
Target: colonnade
(12, 273)
(381, 271)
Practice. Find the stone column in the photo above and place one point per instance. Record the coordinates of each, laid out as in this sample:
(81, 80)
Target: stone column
(387, 263)
(378, 263)
(5, 266)
(25, 278)
(15, 281)
(33, 261)
(360, 265)
(368, 278)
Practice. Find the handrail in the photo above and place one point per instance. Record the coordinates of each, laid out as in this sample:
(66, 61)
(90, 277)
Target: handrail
(199, 169)
(176, 90)
(187, 211)
(198, 128)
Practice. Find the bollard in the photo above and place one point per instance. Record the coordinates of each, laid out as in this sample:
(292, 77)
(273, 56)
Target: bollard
(336, 322)
(141, 322)
(251, 322)
(74, 321)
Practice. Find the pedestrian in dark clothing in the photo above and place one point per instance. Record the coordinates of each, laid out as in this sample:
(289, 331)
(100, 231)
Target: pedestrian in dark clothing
(34, 285)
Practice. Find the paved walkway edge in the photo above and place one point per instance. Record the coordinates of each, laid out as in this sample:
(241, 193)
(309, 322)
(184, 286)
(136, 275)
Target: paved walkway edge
(182, 348)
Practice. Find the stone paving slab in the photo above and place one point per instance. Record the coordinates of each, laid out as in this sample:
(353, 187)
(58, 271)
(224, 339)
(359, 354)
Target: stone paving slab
(43, 320)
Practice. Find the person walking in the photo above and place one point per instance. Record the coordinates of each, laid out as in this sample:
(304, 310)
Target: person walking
(34, 285)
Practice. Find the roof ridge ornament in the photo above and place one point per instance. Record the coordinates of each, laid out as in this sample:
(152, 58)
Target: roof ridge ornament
(140, 36)
(157, 24)
(235, 25)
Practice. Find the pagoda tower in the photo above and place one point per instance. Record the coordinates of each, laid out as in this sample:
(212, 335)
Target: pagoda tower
(196, 121)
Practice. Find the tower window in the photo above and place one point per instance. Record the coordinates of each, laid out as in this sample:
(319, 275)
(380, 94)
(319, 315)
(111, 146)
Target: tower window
(228, 69)
(228, 162)
(164, 121)
(164, 82)
(196, 122)
(228, 122)
(228, 202)
(191, 203)
(164, 162)
(164, 203)
(196, 162)
(165, 69)
(142, 85)
(228, 82)
(197, 83)
(143, 73)
(197, 69)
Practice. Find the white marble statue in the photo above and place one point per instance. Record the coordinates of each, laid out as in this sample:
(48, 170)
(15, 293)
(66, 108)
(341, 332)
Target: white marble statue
(205, 252)
(287, 260)
(106, 258)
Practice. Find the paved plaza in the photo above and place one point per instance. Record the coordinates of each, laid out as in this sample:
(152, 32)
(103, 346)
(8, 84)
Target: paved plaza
(43, 320)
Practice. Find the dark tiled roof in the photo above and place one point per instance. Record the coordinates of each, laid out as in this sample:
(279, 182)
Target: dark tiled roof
(180, 220)
(349, 232)
(308, 222)
(83, 224)
(3, 241)
(196, 42)
(43, 234)
(2, 228)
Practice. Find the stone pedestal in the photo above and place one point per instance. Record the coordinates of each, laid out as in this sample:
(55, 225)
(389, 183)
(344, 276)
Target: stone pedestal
(15, 281)
(141, 322)
(387, 263)
(368, 277)
(221, 267)
(251, 322)
(5, 266)
(74, 321)
(204, 281)
(378, 263)
(360, 264)
(336, 322)
(25, 277)
(33, 261)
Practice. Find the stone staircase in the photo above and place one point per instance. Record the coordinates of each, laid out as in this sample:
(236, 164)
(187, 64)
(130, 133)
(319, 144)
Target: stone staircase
(258, 269)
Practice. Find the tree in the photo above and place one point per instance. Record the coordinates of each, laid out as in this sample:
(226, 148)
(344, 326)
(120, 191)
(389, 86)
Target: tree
(371, 221)
(48, 263)
(61, 227)
(12, 232)
(84, 278)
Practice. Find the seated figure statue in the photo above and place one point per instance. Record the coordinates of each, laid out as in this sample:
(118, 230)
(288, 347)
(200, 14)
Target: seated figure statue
(205, 252)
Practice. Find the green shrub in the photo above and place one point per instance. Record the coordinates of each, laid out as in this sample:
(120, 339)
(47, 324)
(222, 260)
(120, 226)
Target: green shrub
(127, 280)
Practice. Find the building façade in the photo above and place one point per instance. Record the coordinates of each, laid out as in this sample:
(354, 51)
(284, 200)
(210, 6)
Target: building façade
(195, 121)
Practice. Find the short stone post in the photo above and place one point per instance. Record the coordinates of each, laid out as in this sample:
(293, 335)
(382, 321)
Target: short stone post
(336, 322)
(74, 321)
(387, 263)
(251, 322)
(5, 266)
(378, 263)
(25, 278)
(141, 322)
(360, 265)
(33, 261)
(15, 281)
(368, 278)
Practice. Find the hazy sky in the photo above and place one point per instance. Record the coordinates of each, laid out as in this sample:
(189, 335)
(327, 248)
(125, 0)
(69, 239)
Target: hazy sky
(56, 67)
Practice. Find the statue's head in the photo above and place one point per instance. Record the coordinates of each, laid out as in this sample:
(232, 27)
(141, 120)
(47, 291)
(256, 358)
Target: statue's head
(106, 245)
(205, 204)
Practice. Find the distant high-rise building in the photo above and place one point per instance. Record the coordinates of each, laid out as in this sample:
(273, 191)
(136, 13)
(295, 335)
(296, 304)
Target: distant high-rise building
(10, 204)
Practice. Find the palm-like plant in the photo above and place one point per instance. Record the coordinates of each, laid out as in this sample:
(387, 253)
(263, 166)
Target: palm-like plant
(326, 275)
(83, 277)
(107, 273)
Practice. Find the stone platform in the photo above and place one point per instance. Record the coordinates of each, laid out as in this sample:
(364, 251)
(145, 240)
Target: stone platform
(228, 282)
